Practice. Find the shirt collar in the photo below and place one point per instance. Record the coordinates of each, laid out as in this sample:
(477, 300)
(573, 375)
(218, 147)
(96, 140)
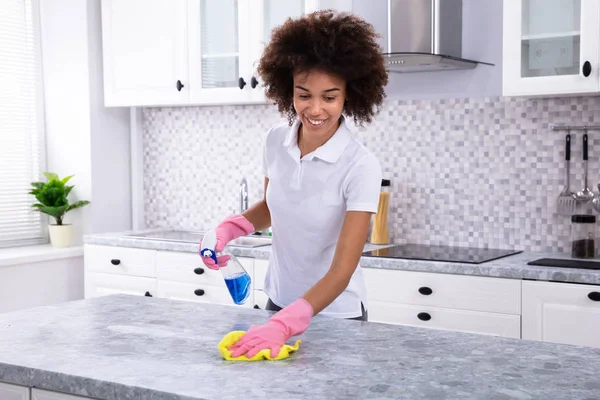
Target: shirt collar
(331, 150)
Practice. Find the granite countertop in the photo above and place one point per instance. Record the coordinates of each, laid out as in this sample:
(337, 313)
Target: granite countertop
(131, 347)
(514, 266)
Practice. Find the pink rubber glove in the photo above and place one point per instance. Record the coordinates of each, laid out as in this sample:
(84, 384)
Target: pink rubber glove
(290, 321)
(230, 228)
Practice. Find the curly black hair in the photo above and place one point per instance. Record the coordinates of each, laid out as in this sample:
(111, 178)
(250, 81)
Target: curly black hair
(335, 42)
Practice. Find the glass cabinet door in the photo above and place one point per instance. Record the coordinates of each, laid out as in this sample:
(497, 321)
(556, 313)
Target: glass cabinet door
(551, 46)
(268, 14)
(550, 37)
(219, 50)
(219, 44)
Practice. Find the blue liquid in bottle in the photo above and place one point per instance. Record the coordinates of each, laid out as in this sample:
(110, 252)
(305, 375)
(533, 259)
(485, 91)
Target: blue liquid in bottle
(239, 287)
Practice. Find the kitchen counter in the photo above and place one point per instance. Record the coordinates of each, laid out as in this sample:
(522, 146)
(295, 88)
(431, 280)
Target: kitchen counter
(514, 266)
(130, 347)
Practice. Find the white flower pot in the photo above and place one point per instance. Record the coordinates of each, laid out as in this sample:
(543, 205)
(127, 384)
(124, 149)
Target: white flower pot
(61, 235)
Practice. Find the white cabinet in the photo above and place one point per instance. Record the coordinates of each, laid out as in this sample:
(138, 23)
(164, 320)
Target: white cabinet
(39, 394)
(561, 313)
(183, 276)
(98, 284)
(551, 47)
(13, 392)
(442, 301)
(166, 274)
(188, 52)
(145, 52)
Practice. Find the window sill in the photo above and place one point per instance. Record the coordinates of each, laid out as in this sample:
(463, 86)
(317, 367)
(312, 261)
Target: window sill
(37, 253)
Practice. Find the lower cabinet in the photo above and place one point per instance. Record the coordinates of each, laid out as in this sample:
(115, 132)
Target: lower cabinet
(39, 394)
(561, 313)
(13, 392)
(16, 392)
(482, 305)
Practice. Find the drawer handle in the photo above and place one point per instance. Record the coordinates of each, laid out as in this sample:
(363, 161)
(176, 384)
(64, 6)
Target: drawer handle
(424, 316)
(425, 291)
(148, 294)
(199, 271)
(199, 292)
(114, 261)
(594, 296)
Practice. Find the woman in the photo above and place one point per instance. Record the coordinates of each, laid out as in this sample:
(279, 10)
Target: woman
(321, 184)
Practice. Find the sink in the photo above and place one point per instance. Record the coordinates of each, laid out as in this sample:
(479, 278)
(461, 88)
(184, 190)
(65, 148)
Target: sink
(250, 241)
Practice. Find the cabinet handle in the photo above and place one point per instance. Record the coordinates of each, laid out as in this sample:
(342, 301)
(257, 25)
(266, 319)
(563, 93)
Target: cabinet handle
(199, 292)
(253, 82)
(115, 261)
(179, 86)
(199, 271)
(594, 296)
(425, 291)
(241, 83)
(424, 316)
(148, 294)
(586, 69)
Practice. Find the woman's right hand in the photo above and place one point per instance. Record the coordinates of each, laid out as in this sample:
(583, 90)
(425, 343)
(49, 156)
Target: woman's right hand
(230, 228)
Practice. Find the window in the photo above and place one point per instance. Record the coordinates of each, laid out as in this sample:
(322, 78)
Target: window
(21, 123)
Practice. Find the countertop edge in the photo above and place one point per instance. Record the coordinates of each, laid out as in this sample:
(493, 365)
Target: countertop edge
(510, 267)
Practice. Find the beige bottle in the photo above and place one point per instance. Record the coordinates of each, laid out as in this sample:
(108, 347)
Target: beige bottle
(380, 233)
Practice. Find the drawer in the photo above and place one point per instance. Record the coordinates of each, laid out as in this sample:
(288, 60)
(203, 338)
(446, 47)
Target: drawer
(446, 319)
(99, 284)
(188, 267)
(260, 273)
(199, 293)
(473, 293)
(120, 260)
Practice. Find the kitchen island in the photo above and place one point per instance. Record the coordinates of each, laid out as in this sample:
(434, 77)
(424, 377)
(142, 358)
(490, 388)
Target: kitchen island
(131, 347)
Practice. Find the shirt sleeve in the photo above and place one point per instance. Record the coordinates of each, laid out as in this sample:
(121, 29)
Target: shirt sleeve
(363, 185)
(265, 162)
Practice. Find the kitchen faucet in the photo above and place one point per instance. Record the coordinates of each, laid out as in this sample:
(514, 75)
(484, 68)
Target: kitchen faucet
(243, 195)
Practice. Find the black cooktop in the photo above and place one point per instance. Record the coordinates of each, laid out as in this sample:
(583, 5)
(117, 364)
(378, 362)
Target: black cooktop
(469, 255)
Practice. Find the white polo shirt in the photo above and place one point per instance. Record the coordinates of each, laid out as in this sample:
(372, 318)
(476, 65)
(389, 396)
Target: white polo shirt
(308, 199)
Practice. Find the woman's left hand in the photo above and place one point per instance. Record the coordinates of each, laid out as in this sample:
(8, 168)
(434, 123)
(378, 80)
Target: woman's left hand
(290, 321)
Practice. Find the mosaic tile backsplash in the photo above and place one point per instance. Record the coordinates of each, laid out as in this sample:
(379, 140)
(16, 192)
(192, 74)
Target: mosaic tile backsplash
(467, 172)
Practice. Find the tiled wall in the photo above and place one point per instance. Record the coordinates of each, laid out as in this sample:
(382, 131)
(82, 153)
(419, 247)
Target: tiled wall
(469, 172)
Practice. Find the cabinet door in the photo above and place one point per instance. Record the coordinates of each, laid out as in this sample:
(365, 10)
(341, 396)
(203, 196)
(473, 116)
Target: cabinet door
(266, 15)
(551, 47)
(13, 392)
(100, 284)
(145, 52)
(561, 313)
(446, 319)
(199, 293)
(39, 394)
(219, 51)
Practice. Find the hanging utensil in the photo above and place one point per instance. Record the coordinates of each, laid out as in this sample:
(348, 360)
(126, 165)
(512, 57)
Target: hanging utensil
(585, 194)
(566, 203)
(596, 201)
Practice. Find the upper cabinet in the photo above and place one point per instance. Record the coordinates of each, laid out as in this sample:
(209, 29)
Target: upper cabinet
(188, 52)
(144, 52)
(551, 47)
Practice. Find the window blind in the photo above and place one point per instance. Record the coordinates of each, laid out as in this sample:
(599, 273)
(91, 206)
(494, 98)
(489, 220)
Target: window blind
(21, 123)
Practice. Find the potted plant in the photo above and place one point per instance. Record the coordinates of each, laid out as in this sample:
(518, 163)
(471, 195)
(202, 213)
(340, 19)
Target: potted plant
(52, 200)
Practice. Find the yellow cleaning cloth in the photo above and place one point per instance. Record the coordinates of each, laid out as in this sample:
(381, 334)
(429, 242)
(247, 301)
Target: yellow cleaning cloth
(232, 337)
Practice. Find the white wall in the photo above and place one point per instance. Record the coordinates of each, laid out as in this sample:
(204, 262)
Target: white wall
(41, 283)
(83, 137)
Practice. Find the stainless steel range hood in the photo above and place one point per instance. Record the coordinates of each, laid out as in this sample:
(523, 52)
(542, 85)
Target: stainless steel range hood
(425, 35)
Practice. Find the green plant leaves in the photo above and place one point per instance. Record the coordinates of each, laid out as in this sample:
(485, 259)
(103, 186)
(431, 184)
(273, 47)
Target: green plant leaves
(52, 196)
